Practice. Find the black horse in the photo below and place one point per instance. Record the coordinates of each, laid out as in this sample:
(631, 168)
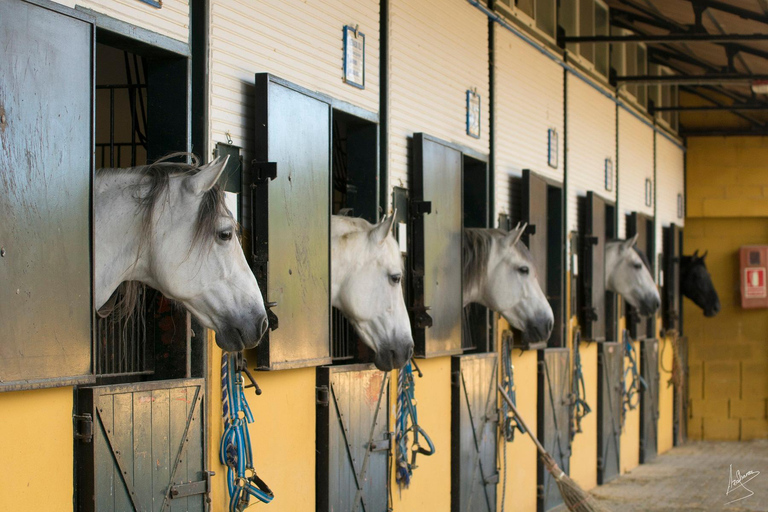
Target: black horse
(696, 283)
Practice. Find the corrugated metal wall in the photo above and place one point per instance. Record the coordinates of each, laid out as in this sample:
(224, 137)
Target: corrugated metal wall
(634, 167)
(670, 181)
(591, 139)
(171, 20)
(299, 41)
(438, 50)
(527, 105)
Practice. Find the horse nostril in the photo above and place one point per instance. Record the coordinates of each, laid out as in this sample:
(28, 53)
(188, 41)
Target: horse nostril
(263, 327)
(550, 325)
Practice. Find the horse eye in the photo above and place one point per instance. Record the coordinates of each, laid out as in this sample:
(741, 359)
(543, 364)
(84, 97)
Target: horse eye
(638, 266)
(395, 278)
(524, 270)
(225, 235)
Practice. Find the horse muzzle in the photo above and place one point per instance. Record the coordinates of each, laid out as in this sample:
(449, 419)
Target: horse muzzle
(539, 329)
(649, 305)
(394, 355)
(243, 333)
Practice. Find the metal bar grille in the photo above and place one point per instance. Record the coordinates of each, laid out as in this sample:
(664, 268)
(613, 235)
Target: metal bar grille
(124, 345)
(343, 338)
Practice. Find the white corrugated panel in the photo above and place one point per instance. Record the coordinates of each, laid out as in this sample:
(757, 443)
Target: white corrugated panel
(634, 167)
(438, 50)
(529, 101)
(670, 181)
(591, 139)
(296, 40)
(171, 20)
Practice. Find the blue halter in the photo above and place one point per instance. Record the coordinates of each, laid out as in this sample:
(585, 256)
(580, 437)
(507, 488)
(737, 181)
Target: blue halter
(406, 408)
(235, 451)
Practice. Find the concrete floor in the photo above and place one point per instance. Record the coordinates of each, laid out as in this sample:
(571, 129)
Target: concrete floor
(691, 478)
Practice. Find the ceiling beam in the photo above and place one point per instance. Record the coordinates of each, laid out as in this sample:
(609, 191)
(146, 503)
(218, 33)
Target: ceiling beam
(684, 37)
(707, 108)
(697, 92)
(723, 133)
(705, 79)
(731, 9)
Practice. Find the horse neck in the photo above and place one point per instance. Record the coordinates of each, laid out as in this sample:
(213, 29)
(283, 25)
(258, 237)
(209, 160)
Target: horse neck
(117, 235)
(342, 256)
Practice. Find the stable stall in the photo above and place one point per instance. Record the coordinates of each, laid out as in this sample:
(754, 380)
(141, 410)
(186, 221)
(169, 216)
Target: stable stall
(528, 149)
(591, 198)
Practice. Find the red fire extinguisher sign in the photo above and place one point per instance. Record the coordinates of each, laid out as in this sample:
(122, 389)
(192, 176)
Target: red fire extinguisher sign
(754, 271)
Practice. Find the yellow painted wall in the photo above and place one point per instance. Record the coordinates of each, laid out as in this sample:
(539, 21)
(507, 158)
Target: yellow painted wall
(727, 207)
(584, 448)
(36, 450)
(522, 457)
(282, 436)
(666, 396)
(430, 487)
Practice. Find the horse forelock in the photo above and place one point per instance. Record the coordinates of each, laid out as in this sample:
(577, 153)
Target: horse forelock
(156, 178)
(643, 257)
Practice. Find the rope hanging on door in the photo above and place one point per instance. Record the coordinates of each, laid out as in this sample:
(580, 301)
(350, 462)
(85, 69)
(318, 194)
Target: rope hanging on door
(509, 420)
(235, 451)
(580, 408)
(406, 413)
(632, 387)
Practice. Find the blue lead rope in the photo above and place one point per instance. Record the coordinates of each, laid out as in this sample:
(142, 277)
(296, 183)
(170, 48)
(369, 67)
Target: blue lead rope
(406, 413)
(580, 406)
(636, 381)
(235, 451)
(509, 420)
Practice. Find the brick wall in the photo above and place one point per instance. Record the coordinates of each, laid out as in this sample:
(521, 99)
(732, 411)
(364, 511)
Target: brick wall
(727, 207)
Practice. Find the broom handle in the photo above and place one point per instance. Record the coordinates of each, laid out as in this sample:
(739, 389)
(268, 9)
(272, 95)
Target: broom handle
(506, 398)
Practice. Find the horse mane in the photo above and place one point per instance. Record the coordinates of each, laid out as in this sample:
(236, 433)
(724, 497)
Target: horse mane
(476, 249)
(157, 176)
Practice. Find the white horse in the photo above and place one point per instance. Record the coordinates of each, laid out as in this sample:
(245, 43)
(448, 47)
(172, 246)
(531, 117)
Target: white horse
(627, 273)
(500, 274)
(166, 225)
(366, 271)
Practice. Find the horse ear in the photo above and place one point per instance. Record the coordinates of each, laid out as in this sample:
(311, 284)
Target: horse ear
(516, 234)
(696, 253)
(207, 176)
(629, 242)
(381, 231)
(704, 255)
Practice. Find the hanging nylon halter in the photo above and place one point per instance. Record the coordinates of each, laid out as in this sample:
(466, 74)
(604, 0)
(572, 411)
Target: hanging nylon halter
(637, 383)
(509, 420)
(235, 451)
(579, 405)
(406, 410)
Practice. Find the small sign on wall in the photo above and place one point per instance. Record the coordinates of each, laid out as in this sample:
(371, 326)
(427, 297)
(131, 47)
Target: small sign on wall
(552, 148)
(754, 283)
(354, 57)
(648, 192)
(608, 174)
(473, 113)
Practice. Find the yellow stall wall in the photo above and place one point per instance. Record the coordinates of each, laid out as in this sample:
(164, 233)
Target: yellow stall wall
(521, 453)
(36, 452)
(665, 437)
(282, 435)
(430, 487)
(584, 448)
(727, 194)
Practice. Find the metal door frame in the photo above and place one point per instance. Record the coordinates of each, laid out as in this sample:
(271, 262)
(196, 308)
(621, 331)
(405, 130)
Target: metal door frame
(460, 398)
(547, 401)
(328, 411)
(649, 400)
(609, 402)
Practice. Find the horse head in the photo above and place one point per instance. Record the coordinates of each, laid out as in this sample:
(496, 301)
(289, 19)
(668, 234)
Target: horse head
(500, 274)
(696, 283)
(627, 273)
(186, 246)
(366, 274)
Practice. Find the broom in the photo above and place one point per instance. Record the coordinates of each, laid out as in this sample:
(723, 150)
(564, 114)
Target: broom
(575, 498)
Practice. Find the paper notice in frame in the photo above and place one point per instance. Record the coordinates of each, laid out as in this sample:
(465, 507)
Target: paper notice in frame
(552, 148)
(473, 114)
(354, 57)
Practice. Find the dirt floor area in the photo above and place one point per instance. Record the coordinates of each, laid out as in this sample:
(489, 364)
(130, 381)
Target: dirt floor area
(694, 477)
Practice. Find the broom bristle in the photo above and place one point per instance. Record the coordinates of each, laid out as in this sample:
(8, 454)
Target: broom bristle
(575, 498)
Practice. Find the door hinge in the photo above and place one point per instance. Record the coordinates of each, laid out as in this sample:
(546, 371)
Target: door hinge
(83, 427)
(189, 489)
(420, 208)
(322, 395)
(381, 445)
(264, 171)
